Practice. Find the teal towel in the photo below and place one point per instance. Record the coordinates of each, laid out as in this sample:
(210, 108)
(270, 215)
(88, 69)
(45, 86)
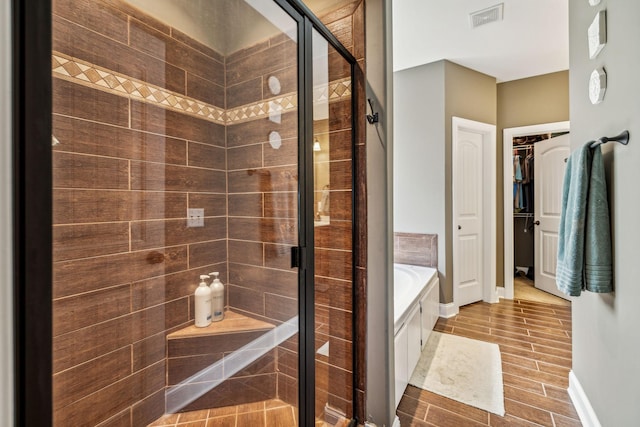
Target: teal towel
(572, 221)
(598, 273)
(584, 241)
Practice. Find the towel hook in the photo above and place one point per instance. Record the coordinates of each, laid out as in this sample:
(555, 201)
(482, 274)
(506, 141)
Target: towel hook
(623, 139)
(373, 117)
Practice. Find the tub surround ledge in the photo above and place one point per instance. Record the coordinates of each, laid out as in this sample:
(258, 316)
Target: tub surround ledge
(415, 249)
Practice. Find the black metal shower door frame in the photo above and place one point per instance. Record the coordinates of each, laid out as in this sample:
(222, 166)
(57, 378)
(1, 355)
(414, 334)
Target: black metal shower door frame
(306, 303)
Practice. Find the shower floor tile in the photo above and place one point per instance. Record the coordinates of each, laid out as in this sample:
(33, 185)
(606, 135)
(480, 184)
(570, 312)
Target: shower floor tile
(269, 413)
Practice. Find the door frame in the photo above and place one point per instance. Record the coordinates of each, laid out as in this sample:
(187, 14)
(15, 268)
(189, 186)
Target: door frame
(32, 211)
(488, 131)
(507, 181)
(6, 221)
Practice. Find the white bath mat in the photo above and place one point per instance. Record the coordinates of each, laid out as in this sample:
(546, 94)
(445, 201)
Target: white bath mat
(466, 370)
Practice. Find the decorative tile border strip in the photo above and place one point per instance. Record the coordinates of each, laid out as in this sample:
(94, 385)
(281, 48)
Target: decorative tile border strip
(262, 109)
(101, 78)
(334, 91)
(89, 74)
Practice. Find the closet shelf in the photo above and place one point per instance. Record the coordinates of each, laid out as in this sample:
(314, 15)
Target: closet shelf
(523, 215)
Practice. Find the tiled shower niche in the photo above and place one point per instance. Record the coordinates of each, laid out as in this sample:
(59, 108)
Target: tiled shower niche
(149, 122)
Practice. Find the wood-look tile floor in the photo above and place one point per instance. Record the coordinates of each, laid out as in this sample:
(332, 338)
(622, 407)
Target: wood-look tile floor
(269, 413)
(524, 288)
(535, 345)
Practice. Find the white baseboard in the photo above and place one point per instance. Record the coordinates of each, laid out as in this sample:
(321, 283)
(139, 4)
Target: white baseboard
(580, 400)
(494, 296)
(500, 292)
(448, 310)
(396, 422)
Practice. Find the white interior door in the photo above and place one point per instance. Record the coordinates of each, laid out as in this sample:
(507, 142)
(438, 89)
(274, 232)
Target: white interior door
(550, 163)
(467, 216)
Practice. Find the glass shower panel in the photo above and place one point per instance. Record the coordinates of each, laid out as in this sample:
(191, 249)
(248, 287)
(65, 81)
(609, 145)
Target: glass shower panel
(175, 138)
(333, 225)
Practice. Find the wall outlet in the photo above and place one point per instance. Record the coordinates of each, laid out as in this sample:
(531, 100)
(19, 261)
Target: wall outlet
(195, 217)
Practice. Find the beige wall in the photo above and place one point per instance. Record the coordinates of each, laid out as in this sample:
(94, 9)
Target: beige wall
(531, 101)
(540, 99)
(469, 95)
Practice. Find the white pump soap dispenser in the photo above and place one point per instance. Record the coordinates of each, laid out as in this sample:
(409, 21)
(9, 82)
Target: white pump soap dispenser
(217, 298)
(203, 303)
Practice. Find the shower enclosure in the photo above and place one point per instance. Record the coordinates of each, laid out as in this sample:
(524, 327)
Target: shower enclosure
(191, 137)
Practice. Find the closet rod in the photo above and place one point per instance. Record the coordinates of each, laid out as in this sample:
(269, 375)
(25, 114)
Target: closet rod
(523, 147)
(623, 139)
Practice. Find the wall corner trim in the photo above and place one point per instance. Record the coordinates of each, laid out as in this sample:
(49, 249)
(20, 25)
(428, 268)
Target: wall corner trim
(581, 402)
(448, 310)
(7, 342)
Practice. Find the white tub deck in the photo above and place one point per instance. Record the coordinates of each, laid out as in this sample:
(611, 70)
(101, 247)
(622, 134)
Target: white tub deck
(410, 283)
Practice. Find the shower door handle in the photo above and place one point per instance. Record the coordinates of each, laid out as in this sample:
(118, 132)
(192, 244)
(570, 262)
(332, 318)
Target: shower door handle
(295, 256)
(298, 257)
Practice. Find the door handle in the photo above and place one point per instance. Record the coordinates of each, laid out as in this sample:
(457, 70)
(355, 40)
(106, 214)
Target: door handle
(536, 223)
(459, 228)
(296, 256)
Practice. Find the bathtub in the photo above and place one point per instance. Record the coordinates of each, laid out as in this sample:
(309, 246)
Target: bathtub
(416, 306)
(410, 282)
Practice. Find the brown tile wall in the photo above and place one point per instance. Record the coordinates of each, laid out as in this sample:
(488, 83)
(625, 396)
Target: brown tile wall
(256, 382)
(415, 249)
(341, 290)
(125, 172)
(334, 271)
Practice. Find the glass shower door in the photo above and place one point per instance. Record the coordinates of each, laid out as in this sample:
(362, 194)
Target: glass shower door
(333, 231)
(175, 155)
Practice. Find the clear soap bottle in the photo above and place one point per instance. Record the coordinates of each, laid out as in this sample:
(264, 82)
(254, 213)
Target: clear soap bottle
(217, 298)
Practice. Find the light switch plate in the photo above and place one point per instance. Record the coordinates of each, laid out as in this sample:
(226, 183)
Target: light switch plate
(195, 217)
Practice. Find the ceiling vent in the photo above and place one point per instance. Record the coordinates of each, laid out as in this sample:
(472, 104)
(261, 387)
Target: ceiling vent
(486, 16)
